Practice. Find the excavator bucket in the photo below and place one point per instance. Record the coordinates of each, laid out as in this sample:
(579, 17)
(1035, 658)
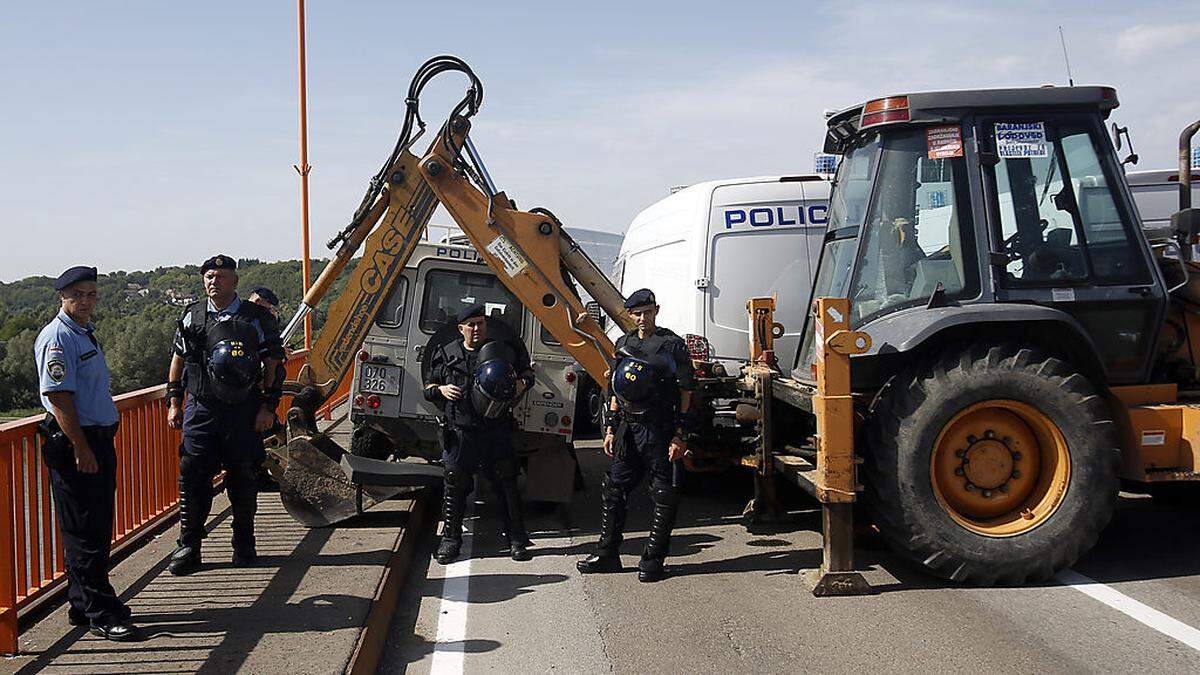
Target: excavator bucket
(313, 485)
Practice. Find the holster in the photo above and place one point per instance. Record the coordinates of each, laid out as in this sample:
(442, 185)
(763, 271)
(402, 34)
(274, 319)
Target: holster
(57, 451)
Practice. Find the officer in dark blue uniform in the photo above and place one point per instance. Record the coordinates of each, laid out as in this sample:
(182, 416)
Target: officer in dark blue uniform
(78, 450)
(649, 398)
(475, 380)
(229, 350)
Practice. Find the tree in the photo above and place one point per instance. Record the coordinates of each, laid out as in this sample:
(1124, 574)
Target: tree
(18, 372)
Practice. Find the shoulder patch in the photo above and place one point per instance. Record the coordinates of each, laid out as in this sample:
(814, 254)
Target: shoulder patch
(56, 368)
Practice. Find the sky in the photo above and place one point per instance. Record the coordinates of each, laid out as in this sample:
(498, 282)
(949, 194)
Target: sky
(140, 134)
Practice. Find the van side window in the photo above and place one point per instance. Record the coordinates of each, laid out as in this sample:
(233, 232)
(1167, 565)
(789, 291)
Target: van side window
(391, 315)
(547, 337)
(448, 292)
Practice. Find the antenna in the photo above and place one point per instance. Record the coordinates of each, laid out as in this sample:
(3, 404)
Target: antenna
(1066, 59)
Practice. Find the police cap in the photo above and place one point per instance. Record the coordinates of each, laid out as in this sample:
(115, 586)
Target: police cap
(640, 297)
(74, 276)
(218, 262)
(471, 312)
(266, 294)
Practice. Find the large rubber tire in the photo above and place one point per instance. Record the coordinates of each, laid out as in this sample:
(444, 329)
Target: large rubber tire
(910, 424)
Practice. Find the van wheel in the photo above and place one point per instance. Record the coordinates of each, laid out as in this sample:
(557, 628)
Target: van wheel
(589, 399)
(991, 464)
(368, 442)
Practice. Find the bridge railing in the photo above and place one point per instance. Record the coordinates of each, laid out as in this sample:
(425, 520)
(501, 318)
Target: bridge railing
(31, 552)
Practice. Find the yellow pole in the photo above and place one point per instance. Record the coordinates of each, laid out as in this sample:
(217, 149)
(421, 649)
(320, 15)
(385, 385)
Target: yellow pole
(303, 169)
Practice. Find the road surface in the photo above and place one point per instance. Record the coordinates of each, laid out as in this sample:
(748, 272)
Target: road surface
(737, 602)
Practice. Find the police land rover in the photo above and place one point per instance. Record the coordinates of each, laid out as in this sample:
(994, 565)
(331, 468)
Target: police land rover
(388, 412)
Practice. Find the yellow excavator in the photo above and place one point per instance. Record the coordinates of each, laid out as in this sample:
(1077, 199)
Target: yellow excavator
(320, 482)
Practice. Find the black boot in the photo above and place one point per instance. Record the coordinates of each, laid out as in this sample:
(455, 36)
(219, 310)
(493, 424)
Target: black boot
(454, 501)
(509, 498)
(195, 501)
(666, 503)
(242, 480)
(607, 556)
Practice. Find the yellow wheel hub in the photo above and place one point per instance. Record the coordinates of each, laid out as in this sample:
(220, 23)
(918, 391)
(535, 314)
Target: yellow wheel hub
(1000, 468)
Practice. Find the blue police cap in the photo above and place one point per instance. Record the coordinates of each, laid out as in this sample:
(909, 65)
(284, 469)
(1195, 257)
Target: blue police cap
(218, 262)
(74, 276)
(266, 294)
(471, 312)
(640, 297)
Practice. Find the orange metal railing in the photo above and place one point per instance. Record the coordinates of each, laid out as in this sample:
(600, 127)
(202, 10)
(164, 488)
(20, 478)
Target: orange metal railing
(31, 554)
(31, 547)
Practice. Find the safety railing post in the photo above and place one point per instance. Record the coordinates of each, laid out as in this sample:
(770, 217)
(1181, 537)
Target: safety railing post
(8, 561)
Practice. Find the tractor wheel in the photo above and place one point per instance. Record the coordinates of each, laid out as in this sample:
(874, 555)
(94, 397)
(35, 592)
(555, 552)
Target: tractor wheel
(991, 464)
(368, 442)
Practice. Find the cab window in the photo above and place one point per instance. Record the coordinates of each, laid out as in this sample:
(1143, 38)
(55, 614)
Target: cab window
(918, 237)
(391, 315)
(1059, 219)
(447, 293)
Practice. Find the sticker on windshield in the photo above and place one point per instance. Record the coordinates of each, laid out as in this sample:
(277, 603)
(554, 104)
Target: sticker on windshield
(510, 256)
(1017, 140)
(944, 142)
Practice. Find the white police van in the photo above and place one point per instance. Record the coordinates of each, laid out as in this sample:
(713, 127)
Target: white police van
(708, 248)
(440, 280)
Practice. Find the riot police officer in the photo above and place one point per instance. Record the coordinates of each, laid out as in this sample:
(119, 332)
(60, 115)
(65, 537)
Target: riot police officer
(229, 350)
(475, 381)
(649, 398)
(78, 450)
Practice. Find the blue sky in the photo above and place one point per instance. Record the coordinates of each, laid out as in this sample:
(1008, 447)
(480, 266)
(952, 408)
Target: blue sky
(139, 134)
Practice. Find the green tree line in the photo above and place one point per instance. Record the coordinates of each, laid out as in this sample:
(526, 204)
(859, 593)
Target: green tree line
(135, 320)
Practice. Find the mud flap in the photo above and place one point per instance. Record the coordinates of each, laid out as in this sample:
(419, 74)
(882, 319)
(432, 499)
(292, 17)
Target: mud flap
(550, 475)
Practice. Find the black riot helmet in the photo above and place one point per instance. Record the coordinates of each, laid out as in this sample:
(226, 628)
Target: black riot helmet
(634, 383)
(232, 370)
(494, 388)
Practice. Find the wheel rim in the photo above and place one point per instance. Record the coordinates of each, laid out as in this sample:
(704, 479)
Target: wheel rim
(1000, 468)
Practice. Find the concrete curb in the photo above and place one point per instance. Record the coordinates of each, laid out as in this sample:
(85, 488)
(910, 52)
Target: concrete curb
(372, 639)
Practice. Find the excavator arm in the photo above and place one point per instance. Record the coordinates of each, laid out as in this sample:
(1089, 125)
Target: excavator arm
(529, 251)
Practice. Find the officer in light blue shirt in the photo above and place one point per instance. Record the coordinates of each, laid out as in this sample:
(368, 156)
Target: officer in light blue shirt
(78, 450)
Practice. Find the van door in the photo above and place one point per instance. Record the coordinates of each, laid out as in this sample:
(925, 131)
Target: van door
(758, 246)
(444, 289)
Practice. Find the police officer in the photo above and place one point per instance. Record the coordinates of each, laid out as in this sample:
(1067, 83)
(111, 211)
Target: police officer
(475, 381)
(78, 450)
(229, 350)
(649, 398)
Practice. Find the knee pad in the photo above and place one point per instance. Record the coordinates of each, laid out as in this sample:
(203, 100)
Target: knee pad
(459, 480)
(195, 468)
(668, 496)
(610, 490)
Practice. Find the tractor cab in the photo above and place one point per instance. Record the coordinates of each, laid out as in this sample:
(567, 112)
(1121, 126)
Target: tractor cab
(1002, 212)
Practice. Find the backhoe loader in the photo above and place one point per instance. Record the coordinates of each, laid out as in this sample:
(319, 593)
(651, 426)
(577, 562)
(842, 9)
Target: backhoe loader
(994, 338)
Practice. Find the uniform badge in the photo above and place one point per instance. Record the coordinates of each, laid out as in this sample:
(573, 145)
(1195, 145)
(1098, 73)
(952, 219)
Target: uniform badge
(56, 369)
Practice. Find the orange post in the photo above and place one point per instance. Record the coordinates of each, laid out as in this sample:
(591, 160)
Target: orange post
(303, 168)
(8, 557)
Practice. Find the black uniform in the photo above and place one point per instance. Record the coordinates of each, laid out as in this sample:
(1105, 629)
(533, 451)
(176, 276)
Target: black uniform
(219, 434)
(472, 443)
(641, 447)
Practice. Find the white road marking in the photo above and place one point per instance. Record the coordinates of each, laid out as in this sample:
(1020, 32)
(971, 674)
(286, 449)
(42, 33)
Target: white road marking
(449, 645)
(1145, 614)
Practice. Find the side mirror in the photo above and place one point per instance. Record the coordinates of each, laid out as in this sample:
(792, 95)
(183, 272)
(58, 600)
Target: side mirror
(1118, 132)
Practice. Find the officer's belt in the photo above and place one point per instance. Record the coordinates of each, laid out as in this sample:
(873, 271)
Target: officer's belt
(105, 431)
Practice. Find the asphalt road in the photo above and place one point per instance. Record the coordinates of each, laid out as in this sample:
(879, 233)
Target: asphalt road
(738, 602)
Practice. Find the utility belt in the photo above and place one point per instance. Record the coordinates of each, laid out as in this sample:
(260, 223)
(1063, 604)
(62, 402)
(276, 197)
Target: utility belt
(57, 450)
(651, 417)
